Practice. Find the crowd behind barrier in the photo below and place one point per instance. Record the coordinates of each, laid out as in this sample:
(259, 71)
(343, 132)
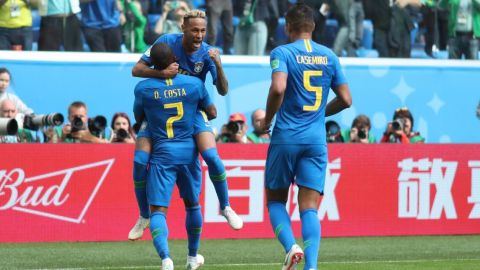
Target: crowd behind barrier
(379, 86)
(368, 28)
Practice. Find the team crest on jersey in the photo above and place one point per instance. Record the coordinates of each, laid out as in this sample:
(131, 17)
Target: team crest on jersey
(198, 67)
(147, 53)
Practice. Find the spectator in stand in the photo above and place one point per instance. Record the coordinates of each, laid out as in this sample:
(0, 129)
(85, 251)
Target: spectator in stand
(133, 29)
(359, 132)
(392, 26)
(101, 22)
(350, 20)
(220, 10)
(251, 34)
(16, 25)
(272, 24)
(8, 110)
(463, 28)
(435, 21)
(60, 25)
(5, 79)
(122, 129)
(235, 131)
(76, 131)
(400, 130)
(165, 25)
(258, 136)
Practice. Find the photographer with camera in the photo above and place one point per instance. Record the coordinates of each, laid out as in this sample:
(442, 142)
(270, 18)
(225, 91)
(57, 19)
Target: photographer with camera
(235, 131)
(400, 129)
(359, 132)
(80, 128)
(258, 136)
(16, 127)
(333, 132)
(122, 129)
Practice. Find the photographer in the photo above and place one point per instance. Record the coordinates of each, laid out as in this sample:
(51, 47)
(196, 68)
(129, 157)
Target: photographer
(122, 129)
(235, 131)
(400, 129)
(258, 136)
(359, 132)
(9, 110)
(78, 129)
(333, 132)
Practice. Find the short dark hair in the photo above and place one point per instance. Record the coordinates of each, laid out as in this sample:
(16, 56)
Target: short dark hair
(77, 104)
(162, 56)
(5, 70)
(403, 113)
(361, 120)
(300, 18)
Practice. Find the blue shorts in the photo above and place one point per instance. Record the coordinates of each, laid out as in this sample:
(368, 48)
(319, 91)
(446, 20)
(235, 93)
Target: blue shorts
(162, 178)
(200, 124)
(303, 164)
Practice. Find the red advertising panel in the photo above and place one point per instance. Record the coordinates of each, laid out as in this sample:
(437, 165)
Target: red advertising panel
(85, 192)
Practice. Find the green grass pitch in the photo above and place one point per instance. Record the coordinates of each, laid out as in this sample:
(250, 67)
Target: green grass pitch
(419, 252)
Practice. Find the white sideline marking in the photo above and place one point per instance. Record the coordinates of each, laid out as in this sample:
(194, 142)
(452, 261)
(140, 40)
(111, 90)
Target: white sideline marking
(268, 264)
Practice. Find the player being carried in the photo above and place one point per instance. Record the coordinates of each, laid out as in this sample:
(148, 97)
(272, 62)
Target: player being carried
(195, 58)
(170, 106)
(302, 74)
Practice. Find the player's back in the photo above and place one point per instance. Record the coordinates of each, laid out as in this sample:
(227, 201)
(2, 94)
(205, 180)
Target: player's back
(312, 70)
(197, 64)
(170, 106)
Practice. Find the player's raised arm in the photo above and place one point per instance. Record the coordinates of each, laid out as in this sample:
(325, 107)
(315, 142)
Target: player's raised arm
(221, 81)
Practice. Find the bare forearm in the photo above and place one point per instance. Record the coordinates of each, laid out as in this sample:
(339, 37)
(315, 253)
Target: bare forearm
(274, 102)
(144, 71)
(221, 83)
(336, 105)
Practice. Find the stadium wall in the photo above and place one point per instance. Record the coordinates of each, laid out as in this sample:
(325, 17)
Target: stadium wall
(74, 192)
(442, 94)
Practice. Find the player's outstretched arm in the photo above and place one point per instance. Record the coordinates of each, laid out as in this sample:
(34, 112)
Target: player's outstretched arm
(343, 100)
(142, 69)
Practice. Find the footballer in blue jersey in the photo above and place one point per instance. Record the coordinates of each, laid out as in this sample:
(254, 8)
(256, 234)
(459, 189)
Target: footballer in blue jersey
(195, 58)
(197, 64)
(303, 72)
(170, 106)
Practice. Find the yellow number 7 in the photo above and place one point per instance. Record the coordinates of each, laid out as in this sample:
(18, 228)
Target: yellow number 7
(317, 89)
(170, 120)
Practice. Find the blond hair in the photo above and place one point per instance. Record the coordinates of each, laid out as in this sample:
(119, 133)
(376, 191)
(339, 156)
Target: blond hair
(193, 14)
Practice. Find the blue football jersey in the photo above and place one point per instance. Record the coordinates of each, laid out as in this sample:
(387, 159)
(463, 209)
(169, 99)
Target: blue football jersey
(170, 106)
(197, 64)
(312, 70)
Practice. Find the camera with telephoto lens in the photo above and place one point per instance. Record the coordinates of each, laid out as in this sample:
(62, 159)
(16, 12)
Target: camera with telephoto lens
(8, 126)
(97, 125)
(362, 133)
(77, 124)
(333, 132)
(36, 121)
(398, 124)
(121, 135)
(234, 127)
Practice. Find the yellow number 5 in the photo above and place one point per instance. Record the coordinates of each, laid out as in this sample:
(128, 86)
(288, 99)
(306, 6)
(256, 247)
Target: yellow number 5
(317, 89)
(170, 120)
